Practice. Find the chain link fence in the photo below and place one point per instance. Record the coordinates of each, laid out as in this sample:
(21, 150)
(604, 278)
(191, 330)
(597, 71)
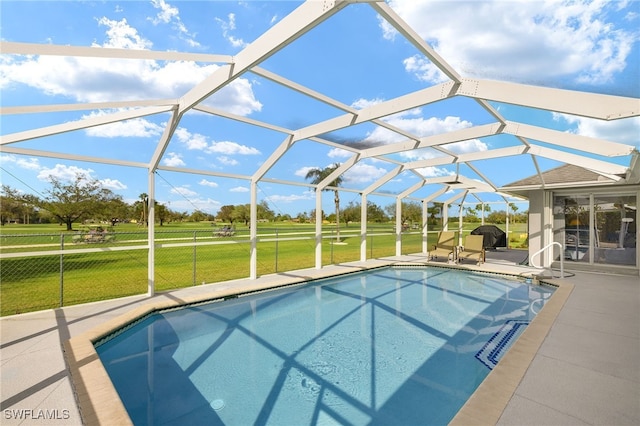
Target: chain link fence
(44, 271)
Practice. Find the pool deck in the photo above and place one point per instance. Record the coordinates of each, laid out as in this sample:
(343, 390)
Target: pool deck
(578, 363)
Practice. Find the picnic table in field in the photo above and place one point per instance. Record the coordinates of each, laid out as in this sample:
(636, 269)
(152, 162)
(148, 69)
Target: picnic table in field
(94, 234)
(225, 231)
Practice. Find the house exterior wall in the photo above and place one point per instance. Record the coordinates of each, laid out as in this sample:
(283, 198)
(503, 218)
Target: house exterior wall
(545, 225)
(536, 223)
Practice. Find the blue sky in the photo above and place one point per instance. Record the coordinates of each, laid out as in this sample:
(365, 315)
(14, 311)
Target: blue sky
(354, 57)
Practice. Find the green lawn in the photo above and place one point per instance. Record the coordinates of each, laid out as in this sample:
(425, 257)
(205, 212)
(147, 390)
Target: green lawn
(35, 283)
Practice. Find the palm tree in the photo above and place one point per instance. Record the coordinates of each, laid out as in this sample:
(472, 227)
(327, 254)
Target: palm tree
(145, 207)
(318, 175)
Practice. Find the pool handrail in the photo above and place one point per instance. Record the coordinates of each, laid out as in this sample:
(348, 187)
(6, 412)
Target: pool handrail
(545, 248)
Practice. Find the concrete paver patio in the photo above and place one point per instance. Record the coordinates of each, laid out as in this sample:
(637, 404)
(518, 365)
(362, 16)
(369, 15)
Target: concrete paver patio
(586, 371)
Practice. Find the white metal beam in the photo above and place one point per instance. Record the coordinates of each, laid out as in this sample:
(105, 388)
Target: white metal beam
(242, 119)
(467, 157)
(337, 172)
(483, 176)
(171, 127)
(273, 158)
(569, 140)
(302, 19)
(82, 124)
(393, 106)
(413, 188)
(594, 105)
(9, 47)
(33, 109)
(578, 160)
(323, 98)
(74, 157)
(384, 179)
(398, 23)
(434, 140)
(436, 194)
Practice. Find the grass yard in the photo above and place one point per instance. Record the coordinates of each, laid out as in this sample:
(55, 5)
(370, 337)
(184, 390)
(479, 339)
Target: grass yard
(36, 282)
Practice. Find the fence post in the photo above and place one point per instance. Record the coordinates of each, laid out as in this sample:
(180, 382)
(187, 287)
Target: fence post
(61, 270)
(195, 240)
(276, 249)
(331, 242)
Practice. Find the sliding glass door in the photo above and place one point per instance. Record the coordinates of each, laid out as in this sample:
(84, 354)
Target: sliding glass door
(615, 220)
(597, 228)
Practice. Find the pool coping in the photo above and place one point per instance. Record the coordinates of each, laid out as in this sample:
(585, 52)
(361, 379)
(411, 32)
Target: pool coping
(99, 402)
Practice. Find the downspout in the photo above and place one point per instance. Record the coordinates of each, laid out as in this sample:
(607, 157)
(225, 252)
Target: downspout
(363, 227)
(253, 231)
(318, 229)
(398, 227)
(151, 219)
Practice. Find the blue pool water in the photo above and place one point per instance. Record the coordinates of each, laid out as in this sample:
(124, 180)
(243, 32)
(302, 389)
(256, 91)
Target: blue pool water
(391, 346)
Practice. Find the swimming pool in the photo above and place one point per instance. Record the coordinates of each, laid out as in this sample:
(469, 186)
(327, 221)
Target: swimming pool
(387, 346)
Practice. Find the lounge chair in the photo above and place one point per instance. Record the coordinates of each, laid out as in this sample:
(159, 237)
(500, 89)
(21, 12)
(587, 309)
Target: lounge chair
(473, 249)
(445, 247)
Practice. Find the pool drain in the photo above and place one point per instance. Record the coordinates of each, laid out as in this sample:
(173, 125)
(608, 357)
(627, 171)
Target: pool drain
(217, 404)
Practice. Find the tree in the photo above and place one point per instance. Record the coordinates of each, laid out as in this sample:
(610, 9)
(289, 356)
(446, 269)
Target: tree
(161, 213)
(225, 214)
(68, 202)
(264, 212)
(351, 213)
(144, 199)
(482, 208)
(198, 216)
(10, 207)
(514, 209)
(318, 175)
(375, 213)
(242, 213)
(411, 212)
(435, 213)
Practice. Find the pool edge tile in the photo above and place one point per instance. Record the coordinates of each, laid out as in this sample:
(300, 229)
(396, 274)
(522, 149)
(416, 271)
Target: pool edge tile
(487, 403)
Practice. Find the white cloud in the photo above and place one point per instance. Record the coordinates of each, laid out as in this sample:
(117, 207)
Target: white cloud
(517, 41)
(191, 141)
(471, 145)
(171, 15)
(103, 80)
(276, 199)
(365, 103)
(227, 161)
(410, 121)
(424, 69)
(228, 26)
(302, 172)
(113, 184)
(363, 173)
(239, 189)
(208, 183)
(166, 13)
(136, 127)
(29, 163)
(625, 131)
(203, 204)
(200, 142)
(173, 159)
(183, 191)
(231, 148)
(122, 36)
(435, 171)
(339, 153)
(64, 173)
